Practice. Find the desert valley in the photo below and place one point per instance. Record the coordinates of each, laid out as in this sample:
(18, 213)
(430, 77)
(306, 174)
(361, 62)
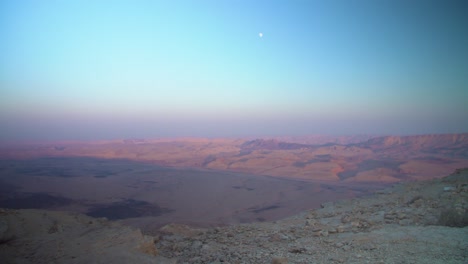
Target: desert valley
(265, 132)
(207, 191)
(216, 182)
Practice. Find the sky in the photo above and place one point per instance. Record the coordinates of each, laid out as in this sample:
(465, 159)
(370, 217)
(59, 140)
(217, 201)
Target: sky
(93, 70)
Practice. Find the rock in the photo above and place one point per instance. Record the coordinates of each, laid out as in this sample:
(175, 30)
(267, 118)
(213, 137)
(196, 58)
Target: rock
(147, 246)
(345, 219)
(310, 222)
(5, 236)
(347, 247)
(278, 260)
(369, 247)
(355, 223)
(56, 227)
(278, 237)
(297, 250)
(206, 248)
(196, 245)
(341, 229)
(405, 222)
(449, 189)
(195, 259)
(401, 216)
(339, 245)
(324, 233)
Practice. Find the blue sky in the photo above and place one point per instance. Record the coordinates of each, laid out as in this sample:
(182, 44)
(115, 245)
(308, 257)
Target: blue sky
(121, 69)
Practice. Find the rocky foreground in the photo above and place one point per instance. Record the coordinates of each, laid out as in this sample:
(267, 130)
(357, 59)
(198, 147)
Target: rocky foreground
(417, 222)
(39, 236)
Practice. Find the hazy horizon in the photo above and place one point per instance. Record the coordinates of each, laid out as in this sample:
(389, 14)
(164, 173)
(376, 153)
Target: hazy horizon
(93, 70)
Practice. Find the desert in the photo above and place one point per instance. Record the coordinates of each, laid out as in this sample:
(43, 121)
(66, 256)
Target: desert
(237, 185)
(413, 222)
(284, 131)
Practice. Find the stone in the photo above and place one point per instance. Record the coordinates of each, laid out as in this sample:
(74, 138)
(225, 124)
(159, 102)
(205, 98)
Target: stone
(278, 260)
(324, 233)
(196, 244)
(297, 250)
(449, 189)
(345, 219)
(341, 229)
(339, 245)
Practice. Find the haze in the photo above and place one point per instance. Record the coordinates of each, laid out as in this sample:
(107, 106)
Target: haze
(122, 69)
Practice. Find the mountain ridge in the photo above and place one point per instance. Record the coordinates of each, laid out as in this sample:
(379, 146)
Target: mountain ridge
(417, 156)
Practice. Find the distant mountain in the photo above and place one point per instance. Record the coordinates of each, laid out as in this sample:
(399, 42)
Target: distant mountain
(445, 144)
(134, 141)
(271, 144)
(378, 159)
(325, 139)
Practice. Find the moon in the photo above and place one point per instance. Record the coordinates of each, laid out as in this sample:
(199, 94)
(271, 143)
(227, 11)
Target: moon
(260, 34)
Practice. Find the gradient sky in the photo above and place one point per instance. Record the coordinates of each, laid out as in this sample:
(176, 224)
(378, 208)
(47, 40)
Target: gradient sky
(122, 69)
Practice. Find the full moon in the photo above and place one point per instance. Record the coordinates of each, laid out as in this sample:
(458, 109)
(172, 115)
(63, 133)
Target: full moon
(260, 34)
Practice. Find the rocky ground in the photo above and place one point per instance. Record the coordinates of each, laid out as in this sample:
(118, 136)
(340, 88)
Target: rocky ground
(39, 236)
(417, 222)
